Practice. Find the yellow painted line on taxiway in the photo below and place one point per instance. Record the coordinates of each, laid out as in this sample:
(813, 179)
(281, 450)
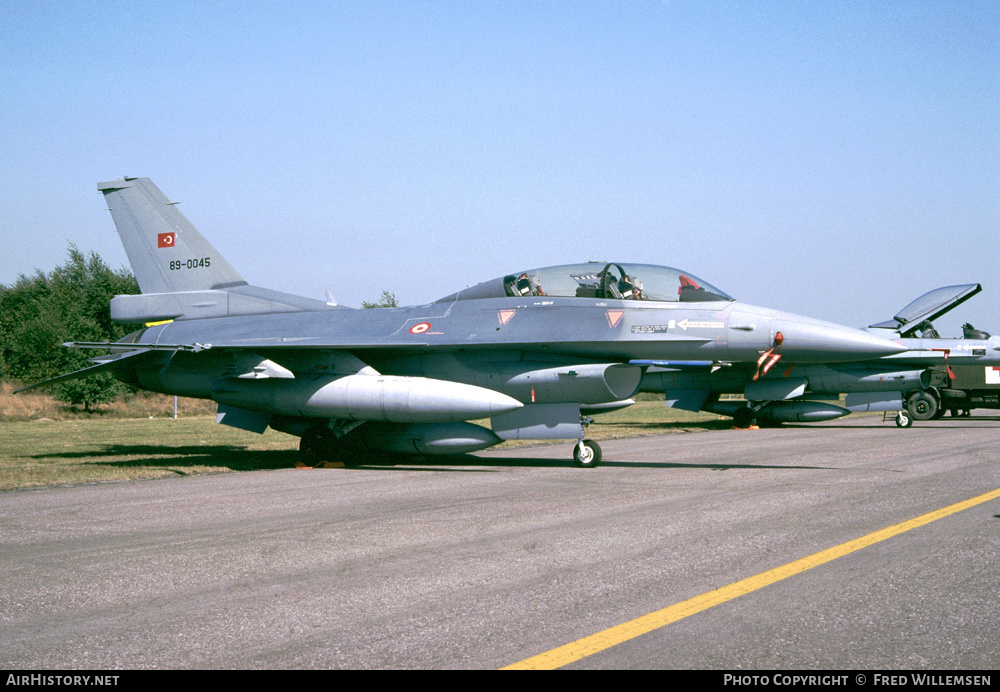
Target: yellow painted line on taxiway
(581, 648)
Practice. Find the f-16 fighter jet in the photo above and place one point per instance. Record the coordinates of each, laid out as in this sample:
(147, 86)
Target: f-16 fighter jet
(533, 351)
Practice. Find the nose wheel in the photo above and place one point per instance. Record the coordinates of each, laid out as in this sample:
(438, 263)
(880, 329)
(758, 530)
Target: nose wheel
(587, 454)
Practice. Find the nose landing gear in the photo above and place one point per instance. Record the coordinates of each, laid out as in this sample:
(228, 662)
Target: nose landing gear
(587, 454)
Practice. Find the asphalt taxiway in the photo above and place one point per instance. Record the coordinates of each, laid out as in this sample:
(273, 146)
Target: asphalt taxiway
(495, 559)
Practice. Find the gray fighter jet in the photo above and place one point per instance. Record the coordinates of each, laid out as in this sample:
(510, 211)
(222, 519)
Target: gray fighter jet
(534, 351)
(800, 392)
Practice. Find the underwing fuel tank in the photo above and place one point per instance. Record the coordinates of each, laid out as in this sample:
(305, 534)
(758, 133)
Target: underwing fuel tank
(393, 399)
(801, 411)
(784, 411)
(432, 439)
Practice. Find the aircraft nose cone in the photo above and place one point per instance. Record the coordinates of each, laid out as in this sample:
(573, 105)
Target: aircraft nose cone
(808, 340)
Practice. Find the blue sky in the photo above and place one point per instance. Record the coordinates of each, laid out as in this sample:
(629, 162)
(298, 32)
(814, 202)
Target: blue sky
(834, 159)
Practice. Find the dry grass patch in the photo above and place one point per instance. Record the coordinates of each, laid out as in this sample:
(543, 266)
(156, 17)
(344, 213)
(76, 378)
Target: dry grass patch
(38, 404)
(44, 453)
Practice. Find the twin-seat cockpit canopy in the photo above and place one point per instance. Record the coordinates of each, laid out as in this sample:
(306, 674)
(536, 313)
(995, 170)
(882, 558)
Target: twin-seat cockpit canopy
(598, 280)
(915, 319)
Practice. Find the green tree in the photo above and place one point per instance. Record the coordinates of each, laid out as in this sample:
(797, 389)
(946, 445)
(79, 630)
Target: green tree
(387, 300)
(40, 312)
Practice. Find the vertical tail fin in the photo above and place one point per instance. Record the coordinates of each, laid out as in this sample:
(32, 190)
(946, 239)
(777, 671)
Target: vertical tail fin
(181, 275)
(166, 251)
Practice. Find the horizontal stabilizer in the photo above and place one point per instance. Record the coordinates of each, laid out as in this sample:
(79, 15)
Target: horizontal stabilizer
(104, 366)
(145, 347)
(189, 305)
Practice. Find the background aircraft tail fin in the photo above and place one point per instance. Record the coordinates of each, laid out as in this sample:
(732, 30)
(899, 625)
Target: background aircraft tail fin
(166, 251)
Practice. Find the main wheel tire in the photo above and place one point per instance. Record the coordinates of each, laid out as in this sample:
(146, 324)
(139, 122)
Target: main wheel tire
(310, 447)
(587, 454)
(319, 448)
(922, 406)
(744, 417)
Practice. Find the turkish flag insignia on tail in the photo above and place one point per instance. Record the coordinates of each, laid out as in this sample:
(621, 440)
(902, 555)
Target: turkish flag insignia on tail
(165, 239)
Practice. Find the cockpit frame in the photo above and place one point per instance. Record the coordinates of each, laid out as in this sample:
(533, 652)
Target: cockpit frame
(600, 280)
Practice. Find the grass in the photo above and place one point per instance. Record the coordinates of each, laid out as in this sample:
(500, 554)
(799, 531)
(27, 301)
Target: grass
(46, 453)
(45, 442)
(106, 446)
(38, 404)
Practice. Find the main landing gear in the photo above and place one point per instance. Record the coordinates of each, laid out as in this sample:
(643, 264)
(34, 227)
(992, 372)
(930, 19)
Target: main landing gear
(744, 417)
(320, 448)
